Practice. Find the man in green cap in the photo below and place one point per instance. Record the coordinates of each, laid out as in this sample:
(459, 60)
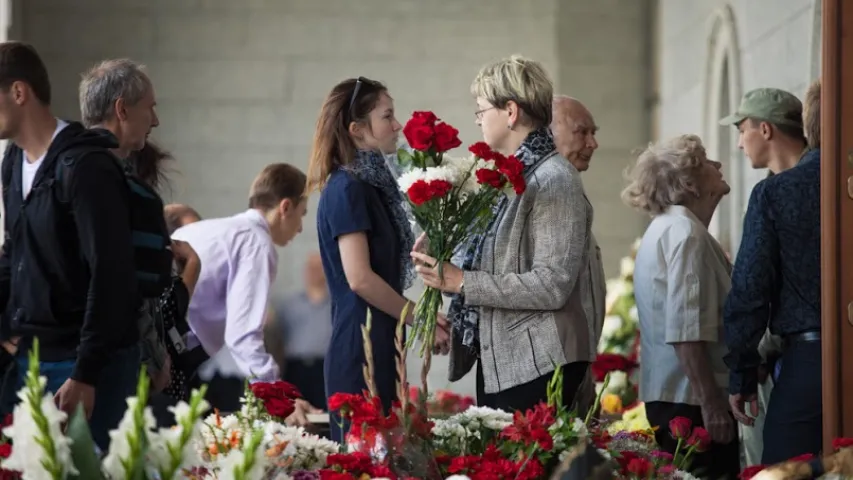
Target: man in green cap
(776, 278)
(770, 122)
(771, 135)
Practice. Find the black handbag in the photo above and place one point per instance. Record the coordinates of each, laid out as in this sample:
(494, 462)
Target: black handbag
(173, 306)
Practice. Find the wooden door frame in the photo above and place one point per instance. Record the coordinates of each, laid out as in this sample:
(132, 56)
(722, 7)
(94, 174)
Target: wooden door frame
(837, 218)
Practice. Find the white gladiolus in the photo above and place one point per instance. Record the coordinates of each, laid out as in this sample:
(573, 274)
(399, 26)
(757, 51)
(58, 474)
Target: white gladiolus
(119, 444)
(28, 455)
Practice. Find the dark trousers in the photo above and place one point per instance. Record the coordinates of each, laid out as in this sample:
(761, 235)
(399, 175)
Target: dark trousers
(794, 422)
(116, 382)
(530, 394)
(307, 376)
(721, 461)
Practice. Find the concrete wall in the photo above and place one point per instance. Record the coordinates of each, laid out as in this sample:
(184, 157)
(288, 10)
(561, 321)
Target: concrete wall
(711, 53)
(240, 83)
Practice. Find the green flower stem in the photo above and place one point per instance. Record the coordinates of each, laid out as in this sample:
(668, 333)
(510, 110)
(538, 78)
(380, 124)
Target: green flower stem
(176, 452)
(597, 400)
(35, 393)
(137, 438)
(249, 449)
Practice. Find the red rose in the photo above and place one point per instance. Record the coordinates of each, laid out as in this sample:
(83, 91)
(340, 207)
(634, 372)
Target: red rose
(262, 390)
(350, 462)
(610, 362)
(842, 442)
(640, 467)
(279, 407)
(420, 137)
(286, 389)
(680, 427)
(5, 450)
(493, 178)
(750, 472)
(446, 138)
(700, 438)
(425, 118)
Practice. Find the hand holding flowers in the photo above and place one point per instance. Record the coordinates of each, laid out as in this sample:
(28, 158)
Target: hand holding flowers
(452, 199)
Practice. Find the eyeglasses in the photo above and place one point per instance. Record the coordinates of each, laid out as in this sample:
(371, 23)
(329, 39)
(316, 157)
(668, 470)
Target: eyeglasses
(355, 91)
(479, 113)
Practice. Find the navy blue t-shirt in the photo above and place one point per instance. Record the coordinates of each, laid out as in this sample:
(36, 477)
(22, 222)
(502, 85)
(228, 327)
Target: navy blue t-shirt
(349, 205)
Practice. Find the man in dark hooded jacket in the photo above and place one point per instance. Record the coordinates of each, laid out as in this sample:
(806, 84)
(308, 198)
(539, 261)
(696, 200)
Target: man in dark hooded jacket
(66, 269)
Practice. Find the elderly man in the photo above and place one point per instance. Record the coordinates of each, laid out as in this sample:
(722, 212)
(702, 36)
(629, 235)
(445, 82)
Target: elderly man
(574, 132)
(117, 96)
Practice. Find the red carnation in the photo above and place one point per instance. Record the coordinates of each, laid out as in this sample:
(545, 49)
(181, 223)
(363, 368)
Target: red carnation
(439, 188)
(481, 150)
(842, 442)
(750, 472)
(487, 176)
(419, 193)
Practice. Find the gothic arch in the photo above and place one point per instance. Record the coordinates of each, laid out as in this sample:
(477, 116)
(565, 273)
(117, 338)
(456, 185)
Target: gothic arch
(723, 91)
(815, 48)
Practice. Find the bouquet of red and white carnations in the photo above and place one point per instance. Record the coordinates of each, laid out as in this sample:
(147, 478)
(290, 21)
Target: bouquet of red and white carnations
(451, 198)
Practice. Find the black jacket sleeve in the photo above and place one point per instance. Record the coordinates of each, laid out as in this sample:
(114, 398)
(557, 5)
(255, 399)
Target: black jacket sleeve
(99, 200)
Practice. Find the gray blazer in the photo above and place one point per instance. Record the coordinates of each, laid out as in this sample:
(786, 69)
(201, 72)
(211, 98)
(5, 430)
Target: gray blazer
(531, 312)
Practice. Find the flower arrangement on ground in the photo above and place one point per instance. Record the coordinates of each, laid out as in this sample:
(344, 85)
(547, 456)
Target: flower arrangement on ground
(450, 198)
(621, 324)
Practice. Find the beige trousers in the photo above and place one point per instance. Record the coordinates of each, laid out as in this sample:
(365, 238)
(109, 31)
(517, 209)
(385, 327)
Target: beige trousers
(751, 438)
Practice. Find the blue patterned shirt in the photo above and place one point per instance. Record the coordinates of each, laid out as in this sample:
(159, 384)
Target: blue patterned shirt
(776, 277)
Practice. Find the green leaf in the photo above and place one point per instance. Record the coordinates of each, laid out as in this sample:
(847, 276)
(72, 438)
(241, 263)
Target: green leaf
(404, 157)
(83, 447)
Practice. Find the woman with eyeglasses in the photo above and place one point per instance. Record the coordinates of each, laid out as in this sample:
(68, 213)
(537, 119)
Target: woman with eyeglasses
(364, 234)
(517, 310)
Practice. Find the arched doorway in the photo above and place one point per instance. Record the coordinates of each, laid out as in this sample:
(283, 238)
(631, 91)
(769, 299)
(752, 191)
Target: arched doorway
(722, 95)
(815, 50)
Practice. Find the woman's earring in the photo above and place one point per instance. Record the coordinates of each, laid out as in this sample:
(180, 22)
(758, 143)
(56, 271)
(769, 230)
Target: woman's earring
(509, 126)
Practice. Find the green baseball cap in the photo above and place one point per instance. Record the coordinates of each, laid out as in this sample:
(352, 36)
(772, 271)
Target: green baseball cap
(768, 105)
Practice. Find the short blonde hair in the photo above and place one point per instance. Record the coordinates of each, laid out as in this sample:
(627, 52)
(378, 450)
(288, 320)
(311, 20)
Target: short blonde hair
(811, 115)
(665, 174)
(520, 80)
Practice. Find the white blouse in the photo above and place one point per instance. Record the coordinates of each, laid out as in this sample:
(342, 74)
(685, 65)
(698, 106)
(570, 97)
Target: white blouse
(681, 279)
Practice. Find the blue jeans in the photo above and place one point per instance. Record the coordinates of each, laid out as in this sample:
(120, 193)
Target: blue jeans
(117, 382)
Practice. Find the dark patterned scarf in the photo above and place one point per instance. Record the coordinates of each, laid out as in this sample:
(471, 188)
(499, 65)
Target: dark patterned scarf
(464, 318)
(369, 167)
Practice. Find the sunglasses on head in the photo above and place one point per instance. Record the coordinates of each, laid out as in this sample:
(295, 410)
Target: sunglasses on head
(358, 83)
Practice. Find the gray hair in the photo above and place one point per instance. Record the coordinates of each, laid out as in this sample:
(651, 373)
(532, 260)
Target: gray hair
(105, 83)
(665, 174)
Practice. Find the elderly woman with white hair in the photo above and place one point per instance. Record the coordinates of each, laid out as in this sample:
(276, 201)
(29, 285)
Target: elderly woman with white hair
(517, 310)
(681, 279)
